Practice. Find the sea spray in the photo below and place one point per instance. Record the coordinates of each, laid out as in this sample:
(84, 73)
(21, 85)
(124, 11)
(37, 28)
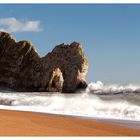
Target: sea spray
(100, 88)
(99, 100)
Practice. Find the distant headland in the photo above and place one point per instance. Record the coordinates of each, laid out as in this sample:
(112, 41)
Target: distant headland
(22, 69)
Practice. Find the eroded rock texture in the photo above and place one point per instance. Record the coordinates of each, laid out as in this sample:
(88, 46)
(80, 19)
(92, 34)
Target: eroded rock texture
(22, 69)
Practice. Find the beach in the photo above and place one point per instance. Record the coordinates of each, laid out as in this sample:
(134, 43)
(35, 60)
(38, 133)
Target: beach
(20, 123)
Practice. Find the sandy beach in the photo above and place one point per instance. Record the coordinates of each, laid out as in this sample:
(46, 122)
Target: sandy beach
(18, 123)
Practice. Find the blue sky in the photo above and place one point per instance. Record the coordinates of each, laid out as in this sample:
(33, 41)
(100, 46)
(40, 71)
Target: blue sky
(110, 34)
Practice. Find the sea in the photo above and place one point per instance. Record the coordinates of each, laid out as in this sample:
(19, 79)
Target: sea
(114, 103)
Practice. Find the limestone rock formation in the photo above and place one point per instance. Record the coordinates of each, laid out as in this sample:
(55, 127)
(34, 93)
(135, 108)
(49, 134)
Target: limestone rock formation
(22, 69)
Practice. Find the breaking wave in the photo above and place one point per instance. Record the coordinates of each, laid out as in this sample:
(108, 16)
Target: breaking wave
(101, 88)
(98, 100)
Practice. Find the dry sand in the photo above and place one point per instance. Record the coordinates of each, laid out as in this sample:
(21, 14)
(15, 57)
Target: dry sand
(17, 123)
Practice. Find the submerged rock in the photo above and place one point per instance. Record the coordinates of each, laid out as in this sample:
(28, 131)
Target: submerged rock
(22, 69)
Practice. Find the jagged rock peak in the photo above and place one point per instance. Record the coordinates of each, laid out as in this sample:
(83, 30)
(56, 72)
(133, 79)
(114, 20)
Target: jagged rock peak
(22, 69)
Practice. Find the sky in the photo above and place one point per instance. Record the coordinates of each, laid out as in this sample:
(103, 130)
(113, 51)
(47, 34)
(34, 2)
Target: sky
(110, 34)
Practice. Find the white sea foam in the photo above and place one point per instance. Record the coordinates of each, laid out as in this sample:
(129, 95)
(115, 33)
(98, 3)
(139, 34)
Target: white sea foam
(102, 103)
(100, 88)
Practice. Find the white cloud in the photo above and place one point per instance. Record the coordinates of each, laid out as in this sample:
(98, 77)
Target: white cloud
(13, 25)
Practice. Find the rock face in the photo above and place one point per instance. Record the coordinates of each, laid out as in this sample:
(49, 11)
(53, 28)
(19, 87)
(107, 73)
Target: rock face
(22, 69)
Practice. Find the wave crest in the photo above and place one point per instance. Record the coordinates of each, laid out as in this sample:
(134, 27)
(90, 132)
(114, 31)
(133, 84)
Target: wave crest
(101, 88)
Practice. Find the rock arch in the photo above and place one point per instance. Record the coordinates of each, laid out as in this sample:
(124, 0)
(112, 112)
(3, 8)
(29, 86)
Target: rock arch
(56, 81)
(21, 68)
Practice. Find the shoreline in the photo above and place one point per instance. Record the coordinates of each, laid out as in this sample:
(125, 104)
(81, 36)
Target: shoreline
(22, 123)
(132, 124)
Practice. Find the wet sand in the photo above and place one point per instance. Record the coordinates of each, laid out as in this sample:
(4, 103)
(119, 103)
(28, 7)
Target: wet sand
(19, 123)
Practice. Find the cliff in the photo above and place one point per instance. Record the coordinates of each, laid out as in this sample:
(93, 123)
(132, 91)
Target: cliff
(22, 69)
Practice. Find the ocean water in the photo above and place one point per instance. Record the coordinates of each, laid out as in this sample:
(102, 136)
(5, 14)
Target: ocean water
(120, 102)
